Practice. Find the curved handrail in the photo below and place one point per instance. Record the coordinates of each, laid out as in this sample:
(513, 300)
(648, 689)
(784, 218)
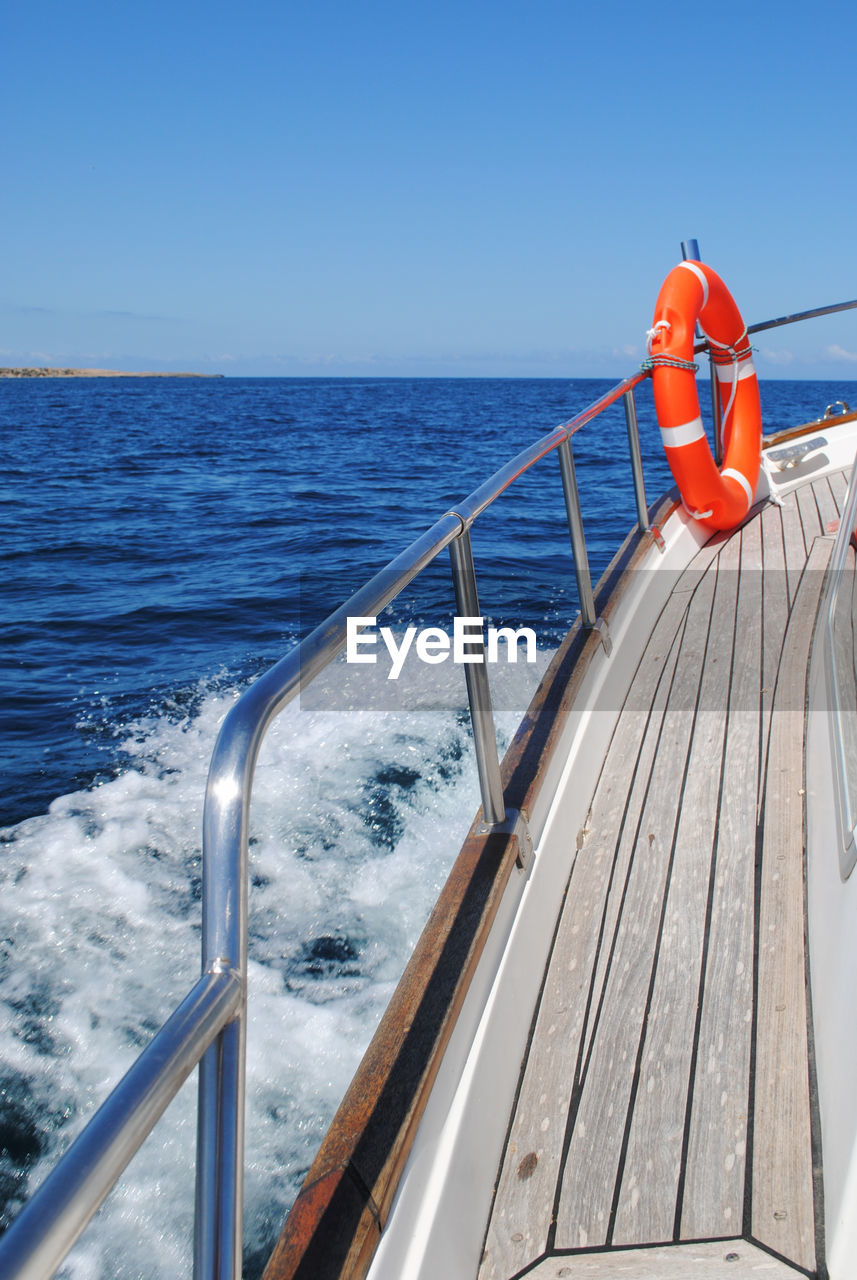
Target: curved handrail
(226, 817)
(209, 1026)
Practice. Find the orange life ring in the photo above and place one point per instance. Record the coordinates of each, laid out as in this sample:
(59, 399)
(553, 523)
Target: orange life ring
(691, 292)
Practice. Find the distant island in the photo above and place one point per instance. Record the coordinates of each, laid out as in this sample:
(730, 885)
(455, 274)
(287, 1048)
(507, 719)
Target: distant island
(94, 373)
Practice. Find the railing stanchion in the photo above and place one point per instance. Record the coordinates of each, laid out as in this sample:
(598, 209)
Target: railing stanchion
(218, 1235)
(478, 690)
(636, 461)
(575, 529)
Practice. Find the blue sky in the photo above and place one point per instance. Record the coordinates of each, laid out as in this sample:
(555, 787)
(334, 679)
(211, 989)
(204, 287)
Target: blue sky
(375, 188)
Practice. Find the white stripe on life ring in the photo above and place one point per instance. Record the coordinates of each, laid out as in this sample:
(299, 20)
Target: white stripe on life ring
(684, 433)
(742, 480)
(746, 369)
(701, 277)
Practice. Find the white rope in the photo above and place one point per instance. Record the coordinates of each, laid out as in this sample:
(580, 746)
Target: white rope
(697, 515)
(735, 358)
(725, 417)
(651, 334)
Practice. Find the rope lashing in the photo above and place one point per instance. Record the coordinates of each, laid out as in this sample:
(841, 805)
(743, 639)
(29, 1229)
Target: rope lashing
(667, 362)
(720, 353)
(728, 355)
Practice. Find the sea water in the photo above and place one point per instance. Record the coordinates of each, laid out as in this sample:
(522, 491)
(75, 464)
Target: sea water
(163, 542)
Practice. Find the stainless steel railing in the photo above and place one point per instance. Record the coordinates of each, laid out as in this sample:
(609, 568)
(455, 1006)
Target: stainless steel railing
(209, 1027)
(226, 814)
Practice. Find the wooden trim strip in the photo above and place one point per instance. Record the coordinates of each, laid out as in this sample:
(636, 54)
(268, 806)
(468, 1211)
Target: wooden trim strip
(336, 1221)
(807, 428)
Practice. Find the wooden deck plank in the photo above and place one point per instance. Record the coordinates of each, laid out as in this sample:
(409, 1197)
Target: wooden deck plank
(524, 1201)
(653, 1158)
(713, 1194)
(586, 1203)
(782, 1185)
(793, 544)
(809, 514)
(839, 487)
(828, 510)
(716, 1260)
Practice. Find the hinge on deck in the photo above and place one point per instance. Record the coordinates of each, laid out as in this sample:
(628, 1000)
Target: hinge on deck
(515, 825)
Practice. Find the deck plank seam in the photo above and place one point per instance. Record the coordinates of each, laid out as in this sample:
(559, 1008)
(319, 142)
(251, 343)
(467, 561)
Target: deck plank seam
(813, 496)
(781, 1257)
(790, 516)
(596, 1251)
(838, 482)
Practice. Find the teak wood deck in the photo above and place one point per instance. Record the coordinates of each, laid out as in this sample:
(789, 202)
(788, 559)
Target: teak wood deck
(664, 1121)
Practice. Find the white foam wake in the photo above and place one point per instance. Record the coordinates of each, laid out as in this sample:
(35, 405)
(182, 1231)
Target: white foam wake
(357, 816)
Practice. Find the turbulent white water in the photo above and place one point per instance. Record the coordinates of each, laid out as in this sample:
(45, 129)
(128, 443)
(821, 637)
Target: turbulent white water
(357, 816)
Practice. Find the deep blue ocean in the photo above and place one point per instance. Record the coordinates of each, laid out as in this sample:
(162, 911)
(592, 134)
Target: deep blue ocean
(162, 542)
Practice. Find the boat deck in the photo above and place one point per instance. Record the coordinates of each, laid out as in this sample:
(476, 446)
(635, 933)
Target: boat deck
(664, 1120)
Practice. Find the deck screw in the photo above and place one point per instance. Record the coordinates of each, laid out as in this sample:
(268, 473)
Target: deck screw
(733, 1257)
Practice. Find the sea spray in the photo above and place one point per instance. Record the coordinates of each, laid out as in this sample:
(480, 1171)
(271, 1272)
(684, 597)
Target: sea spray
(356, 819)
